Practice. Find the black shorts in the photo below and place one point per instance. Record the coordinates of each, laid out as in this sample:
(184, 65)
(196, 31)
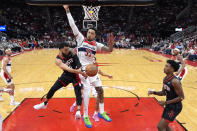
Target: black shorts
(67, 78)
(171, 111)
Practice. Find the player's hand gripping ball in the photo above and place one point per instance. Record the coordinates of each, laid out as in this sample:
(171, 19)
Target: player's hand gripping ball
(91, 70)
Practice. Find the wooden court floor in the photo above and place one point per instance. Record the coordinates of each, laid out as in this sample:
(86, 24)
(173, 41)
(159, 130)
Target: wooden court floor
(133, 70)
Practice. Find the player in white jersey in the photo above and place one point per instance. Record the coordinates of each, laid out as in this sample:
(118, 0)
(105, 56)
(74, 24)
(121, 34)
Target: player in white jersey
(6, 76)
(86, 50)
(94, 94)
(182, 72)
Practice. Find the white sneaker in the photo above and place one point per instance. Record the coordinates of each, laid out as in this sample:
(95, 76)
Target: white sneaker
(40, 106)
(1, 99)
(78, 115)
(14, 103)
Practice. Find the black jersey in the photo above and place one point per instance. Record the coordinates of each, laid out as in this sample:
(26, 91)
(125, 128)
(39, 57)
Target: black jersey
(71, 60)
(169, 89)
(171, 110)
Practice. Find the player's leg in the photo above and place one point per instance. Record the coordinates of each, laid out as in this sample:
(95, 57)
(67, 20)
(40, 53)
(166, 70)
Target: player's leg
(169, 114)
(167, 117)
(100, 92)
(86, 97)
(95, 95)
(11, 93)
(77, 89)
(6, 90)
(78, 93)
(163, 125)
(10, 85)
(72, 108)
(57, 85)
(102, 113)
(3, 78)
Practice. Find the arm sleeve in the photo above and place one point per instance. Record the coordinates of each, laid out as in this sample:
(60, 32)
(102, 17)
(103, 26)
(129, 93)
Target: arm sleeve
(99, 46)
(78, 35)
(77, 62)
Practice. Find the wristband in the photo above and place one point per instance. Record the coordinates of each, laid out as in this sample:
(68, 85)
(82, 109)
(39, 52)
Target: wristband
(83, 69)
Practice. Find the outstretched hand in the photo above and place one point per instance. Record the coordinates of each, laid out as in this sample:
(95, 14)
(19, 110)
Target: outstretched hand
(111, 39)
(110, 77)
(66, 7)
(82, 73)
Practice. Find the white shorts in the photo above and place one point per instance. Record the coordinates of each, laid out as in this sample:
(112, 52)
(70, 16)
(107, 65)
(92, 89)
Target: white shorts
(5, 78)
(95, 81)
(93, 91)
(90, 83)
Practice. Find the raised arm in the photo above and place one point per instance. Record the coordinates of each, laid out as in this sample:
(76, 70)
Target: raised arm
(111, 44)
(180, 58)
(78, 35)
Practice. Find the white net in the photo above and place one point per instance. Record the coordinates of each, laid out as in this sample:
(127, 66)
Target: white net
(91, 12)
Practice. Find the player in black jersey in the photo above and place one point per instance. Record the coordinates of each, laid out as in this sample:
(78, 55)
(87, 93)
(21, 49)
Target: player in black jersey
(68, 61)
(172, 89)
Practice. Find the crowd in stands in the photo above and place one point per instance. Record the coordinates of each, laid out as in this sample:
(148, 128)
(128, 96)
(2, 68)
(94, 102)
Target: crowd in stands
(133, 27)
(187, 47)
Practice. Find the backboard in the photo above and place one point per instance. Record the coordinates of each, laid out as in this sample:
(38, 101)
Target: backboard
(92, 2)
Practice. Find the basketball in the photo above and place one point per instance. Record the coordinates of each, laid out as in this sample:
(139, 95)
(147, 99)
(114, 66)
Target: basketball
(91, 70)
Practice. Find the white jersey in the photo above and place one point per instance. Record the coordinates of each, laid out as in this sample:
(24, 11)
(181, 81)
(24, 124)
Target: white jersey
(183, 73)
(179, 62)
(4, 75)
(8, 66)
(86, 50)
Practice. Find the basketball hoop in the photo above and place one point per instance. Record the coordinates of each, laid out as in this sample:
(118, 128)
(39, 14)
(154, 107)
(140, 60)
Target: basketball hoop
(91, 12)
(91, 16)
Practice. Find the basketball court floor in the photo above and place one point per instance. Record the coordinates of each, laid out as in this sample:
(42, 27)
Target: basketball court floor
(134, 73)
